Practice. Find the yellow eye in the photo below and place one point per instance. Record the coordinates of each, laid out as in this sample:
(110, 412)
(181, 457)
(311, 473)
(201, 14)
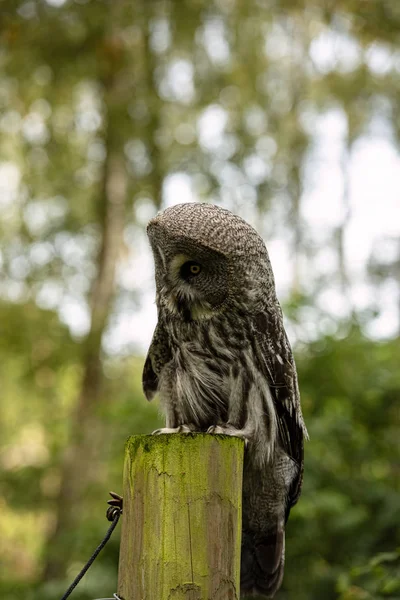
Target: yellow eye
(190, 269)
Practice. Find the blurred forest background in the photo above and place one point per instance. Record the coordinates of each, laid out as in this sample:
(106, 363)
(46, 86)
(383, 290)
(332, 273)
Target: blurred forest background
(287, 113)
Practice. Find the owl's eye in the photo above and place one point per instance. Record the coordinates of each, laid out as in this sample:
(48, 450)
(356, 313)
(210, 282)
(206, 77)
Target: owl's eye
(190, 269)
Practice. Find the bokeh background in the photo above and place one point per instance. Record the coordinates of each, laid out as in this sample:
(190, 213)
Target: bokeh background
(285, 112)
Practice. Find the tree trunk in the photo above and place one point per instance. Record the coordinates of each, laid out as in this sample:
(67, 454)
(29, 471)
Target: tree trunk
(341, 230)
(77, 457)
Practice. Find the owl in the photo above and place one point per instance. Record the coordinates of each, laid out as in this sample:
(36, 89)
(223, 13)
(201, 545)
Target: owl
(221, 362)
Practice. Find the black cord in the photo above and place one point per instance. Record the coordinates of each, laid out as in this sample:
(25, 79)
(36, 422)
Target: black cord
(116, 513)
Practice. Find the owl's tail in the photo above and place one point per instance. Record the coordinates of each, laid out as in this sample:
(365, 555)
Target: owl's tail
(262, 563)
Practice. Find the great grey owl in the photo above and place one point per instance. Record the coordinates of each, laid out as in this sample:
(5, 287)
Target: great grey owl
(221, 362)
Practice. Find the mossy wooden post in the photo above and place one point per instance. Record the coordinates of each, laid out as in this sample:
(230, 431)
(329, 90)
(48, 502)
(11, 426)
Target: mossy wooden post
(181, 522)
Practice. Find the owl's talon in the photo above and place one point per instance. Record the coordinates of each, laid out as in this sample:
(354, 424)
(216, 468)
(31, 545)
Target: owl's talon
(215, 429)
(180, 429)
(228, 430)
(165, 430)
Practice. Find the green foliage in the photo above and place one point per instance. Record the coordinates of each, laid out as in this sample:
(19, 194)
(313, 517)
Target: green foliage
(350, 503)
(378, 579)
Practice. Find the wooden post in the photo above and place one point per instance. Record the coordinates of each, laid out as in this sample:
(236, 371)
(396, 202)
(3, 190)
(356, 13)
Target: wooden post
(181, 522)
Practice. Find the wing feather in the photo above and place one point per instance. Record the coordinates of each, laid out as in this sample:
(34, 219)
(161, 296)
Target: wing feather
(277, 363)
(158, 356)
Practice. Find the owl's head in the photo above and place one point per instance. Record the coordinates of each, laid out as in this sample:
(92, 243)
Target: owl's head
(206, 258)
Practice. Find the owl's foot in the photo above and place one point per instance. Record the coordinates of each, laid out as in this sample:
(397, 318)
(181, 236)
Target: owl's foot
(180, 429)
(229, 430)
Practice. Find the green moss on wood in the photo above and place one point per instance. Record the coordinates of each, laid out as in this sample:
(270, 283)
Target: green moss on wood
(182, 517)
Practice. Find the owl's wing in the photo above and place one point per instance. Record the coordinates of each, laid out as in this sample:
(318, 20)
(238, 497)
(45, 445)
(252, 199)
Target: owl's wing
(159, 354)
(149, 378)
(276, 358)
